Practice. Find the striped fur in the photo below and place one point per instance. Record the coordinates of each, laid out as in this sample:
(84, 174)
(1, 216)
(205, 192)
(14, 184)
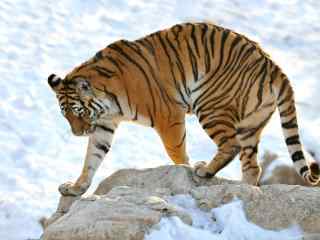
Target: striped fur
(222, 77)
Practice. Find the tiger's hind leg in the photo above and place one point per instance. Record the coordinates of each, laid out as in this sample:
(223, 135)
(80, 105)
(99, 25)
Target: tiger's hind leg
(248, 135)
(251, 171)
(220, 128)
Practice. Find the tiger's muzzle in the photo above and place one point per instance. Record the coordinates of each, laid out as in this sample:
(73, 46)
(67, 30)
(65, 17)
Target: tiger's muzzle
(79, 126)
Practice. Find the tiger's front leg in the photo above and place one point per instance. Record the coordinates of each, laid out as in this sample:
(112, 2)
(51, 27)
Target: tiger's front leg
(98, 146)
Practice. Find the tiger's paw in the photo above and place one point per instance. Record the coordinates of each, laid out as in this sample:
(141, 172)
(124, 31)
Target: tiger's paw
(71, 189)
(201, 170)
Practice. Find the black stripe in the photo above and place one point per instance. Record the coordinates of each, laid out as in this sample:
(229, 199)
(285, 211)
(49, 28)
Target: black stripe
(207, 59)
(115, 63)
(290, 124)
(204, 28)
(104, 71)
(290, 110)
(103, 147)
(151, 118)
(293, 140)
(74, 98)
(147, 45)
(313, 179)
(214, 124)
(212, 41)
(216, 133)
(288, 98)
(98, 56)
(261, 85)
(303, 170)
(114, 97)
(314, 168)
(176, 30)
(61, 97)
(254, 150)
(98, 103)
(178, 62)
(135, 118)
(273, 77)
(252, 131)
(128, 97)
(244, 168)
(298, 155)
(202, 116)
(284, 84)
(92, 106)
(193, 62)
(194, 39)
(176, 124)
(106, 129)
(225, 34)
(182, 140)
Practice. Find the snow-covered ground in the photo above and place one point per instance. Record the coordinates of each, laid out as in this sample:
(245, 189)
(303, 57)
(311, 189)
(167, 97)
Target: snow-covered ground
(227, 222)
(37, 149)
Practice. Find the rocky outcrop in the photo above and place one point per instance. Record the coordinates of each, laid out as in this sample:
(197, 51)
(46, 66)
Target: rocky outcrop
(128, 203)
(283, 174)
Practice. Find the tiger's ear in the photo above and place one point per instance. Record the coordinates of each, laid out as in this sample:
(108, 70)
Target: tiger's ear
(54, 81)
(84, 89)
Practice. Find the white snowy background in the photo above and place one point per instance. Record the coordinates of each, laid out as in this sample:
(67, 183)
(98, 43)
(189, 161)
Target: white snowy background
(37, 149)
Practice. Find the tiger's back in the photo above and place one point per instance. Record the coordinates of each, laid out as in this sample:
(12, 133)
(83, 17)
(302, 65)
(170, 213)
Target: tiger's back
(221, 76)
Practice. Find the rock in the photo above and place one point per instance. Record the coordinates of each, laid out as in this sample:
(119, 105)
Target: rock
(123, 213)
(63, 207)
(129, 202)
(151, 179)
(271, 206)
(284, 174)
(161, 177)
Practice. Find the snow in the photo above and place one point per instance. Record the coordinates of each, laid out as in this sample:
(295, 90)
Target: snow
(38, 151)
(223, 223)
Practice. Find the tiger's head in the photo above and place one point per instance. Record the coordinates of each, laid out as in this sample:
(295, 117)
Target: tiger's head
(80, 103)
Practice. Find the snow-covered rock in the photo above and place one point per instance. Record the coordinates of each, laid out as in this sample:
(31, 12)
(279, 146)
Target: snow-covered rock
(131, 204)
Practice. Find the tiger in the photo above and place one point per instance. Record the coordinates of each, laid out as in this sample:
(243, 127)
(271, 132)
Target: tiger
(221, 76)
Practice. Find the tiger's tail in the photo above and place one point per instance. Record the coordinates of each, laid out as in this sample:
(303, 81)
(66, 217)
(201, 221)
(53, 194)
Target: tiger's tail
(308, 168)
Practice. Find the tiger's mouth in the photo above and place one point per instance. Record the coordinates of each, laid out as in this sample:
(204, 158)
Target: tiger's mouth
(84, 131)
(84, 125)
(91, 125)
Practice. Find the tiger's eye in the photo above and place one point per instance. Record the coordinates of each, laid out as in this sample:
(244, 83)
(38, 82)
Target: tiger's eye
(63, 110)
